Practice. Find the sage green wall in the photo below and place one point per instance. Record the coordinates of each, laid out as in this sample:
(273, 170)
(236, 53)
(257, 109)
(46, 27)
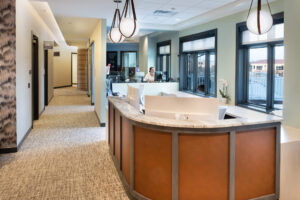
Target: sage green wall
(227, 43)
(174, 37)
(291, 103)
(143, 54)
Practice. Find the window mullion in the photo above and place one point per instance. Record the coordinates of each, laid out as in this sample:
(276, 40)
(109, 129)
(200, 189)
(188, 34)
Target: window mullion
(246, 74)
(207, 73)
(270, 79)
(195, 67)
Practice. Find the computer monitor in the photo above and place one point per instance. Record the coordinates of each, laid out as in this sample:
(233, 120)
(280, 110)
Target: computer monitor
(158, 76)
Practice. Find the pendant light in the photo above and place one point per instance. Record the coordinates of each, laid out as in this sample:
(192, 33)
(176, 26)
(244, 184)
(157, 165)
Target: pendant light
(259, 21)
(128, 24)
(114, 33)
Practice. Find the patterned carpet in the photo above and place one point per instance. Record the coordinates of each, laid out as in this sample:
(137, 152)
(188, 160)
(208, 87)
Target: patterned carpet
(65, 156)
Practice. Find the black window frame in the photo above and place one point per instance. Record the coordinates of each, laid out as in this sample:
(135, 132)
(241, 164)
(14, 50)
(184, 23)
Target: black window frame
(207, 52)
(242, 64)
(158, 55)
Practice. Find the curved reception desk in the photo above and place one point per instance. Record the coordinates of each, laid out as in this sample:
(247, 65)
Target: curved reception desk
(163, 159)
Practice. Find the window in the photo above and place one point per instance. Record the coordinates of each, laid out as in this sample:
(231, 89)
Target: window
(198, 63)
(128, 63)
(129, 58)
(260, 67)
(164, 59)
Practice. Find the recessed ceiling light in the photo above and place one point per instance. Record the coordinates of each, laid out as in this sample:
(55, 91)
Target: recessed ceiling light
(177, 19)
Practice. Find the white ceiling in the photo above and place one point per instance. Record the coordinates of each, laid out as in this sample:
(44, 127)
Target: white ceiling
(77, 18)
(185, 9)
(77, 30)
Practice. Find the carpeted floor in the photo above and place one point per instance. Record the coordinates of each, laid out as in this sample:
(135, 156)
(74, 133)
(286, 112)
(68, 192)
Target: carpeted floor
(65, 156)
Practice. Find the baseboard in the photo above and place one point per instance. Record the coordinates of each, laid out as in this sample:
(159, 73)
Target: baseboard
(50, 99)
(101, 124)
(62, 86)
(9, 150)
(25, 136)
(15, 149)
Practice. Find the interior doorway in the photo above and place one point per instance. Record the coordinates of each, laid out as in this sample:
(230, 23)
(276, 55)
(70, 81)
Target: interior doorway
(46, 77)
(74, 68)
(35, 78)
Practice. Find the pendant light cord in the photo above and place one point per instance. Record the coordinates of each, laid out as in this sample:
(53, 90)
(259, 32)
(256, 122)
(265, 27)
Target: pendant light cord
(250, 9)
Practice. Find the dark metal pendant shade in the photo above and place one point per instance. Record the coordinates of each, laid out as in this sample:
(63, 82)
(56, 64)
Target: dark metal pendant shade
(128, 24)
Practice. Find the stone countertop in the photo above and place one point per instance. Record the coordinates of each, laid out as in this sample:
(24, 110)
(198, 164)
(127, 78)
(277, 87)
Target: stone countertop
(243, 116)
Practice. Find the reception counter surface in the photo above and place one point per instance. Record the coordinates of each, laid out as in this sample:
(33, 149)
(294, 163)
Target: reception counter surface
(159, 158)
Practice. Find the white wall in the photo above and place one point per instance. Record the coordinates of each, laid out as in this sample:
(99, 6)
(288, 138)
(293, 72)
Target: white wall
(74, 68)
(62, 68)
(291, 103)
(99, 39)
(28, 22)
(174, 37)
(143, 54)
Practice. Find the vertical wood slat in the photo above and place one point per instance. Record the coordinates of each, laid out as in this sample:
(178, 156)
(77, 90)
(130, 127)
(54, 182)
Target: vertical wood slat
(82, 71)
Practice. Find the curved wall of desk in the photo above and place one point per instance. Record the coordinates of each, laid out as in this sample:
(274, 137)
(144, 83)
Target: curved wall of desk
(163, 161)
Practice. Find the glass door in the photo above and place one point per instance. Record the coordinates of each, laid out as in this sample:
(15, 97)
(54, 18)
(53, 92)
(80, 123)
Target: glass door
(257, 76)
(201, 63)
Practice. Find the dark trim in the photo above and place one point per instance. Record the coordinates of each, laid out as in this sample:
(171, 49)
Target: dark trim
(158, 45)
(102, 125)
(35, 77)
(72, 68)
(9, 150)
(197, 36)
(46, 77)
(207, 52)
(63, 86)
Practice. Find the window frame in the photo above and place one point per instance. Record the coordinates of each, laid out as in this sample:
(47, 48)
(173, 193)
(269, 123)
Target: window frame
(158, 55)
(207, 52)
(242, 70)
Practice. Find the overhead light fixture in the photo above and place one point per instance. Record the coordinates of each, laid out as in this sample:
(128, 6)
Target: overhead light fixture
(114, 33)
(259, 21)
(128, 24)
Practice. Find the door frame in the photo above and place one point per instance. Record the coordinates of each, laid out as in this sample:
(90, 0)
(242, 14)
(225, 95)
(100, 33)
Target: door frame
(46, 77)
(92, 71)
(35, 77)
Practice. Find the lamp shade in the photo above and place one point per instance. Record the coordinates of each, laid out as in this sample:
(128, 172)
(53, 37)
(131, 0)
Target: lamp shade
(115, 36)
(264, 25)
(259, 20)
(128, 27)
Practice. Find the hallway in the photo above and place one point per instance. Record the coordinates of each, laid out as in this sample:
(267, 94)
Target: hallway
(65, 156)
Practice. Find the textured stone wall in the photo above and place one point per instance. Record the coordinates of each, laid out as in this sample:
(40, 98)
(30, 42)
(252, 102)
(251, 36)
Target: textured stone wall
(8, 136)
